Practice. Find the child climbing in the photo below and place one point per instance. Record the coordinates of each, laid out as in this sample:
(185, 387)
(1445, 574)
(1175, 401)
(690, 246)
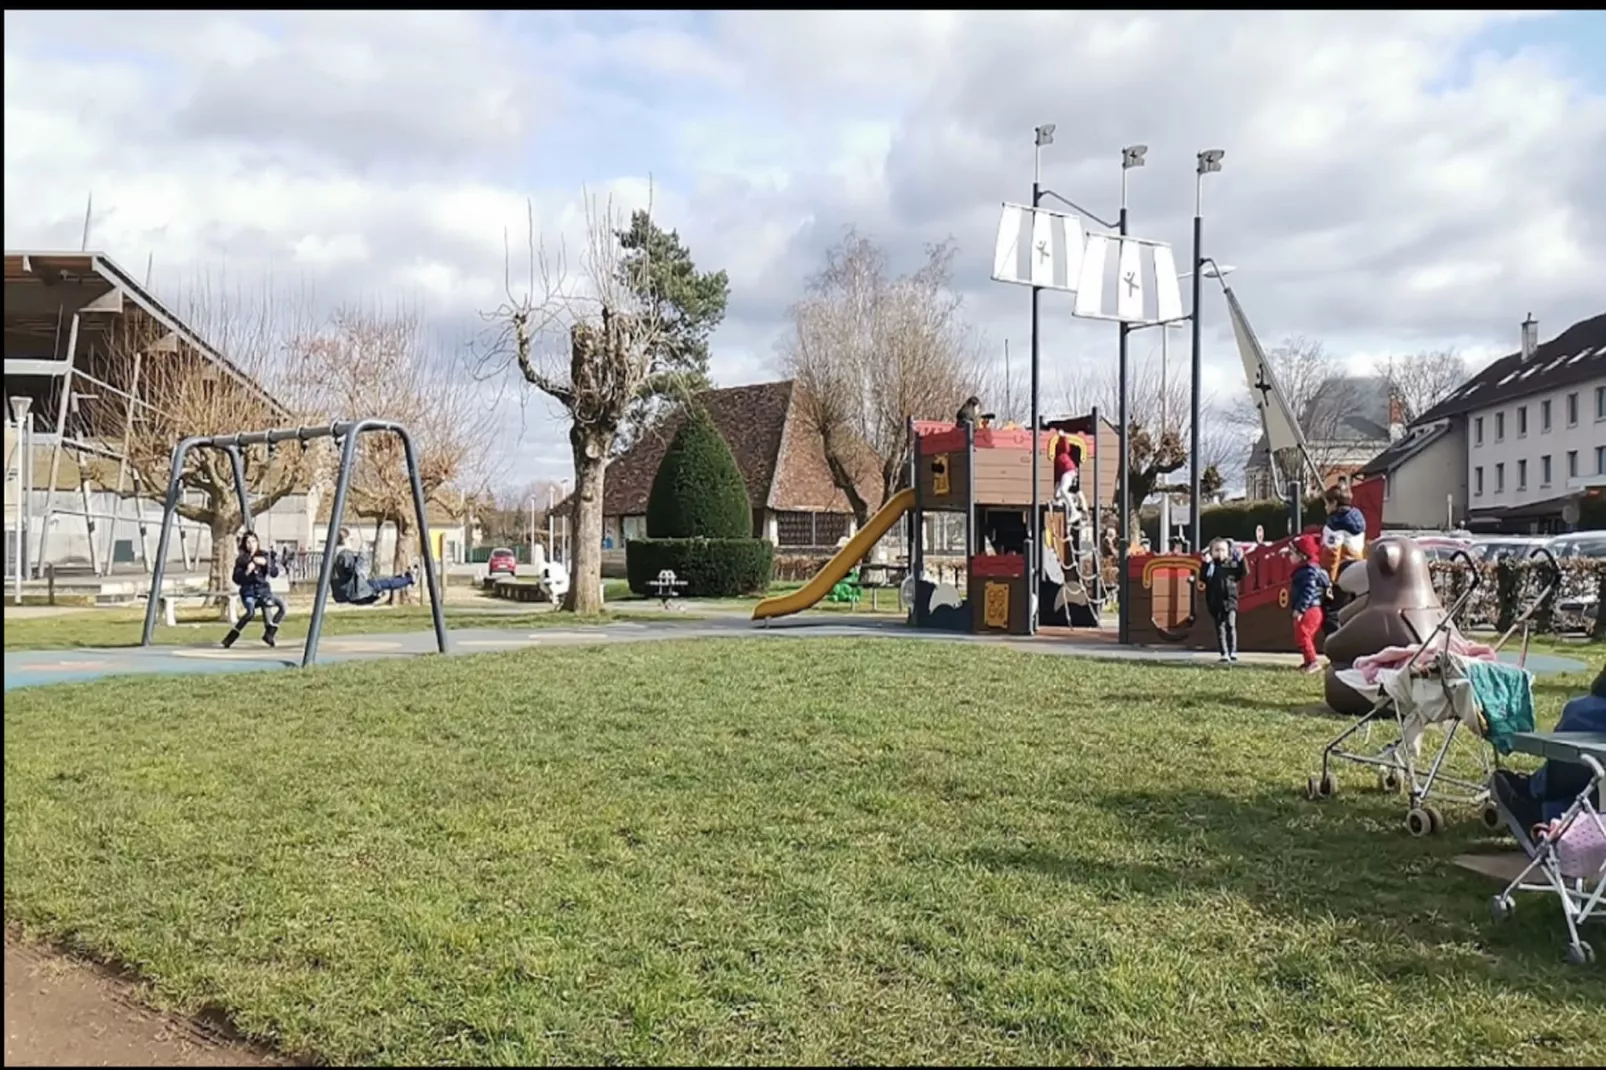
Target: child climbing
(1067, 490)
(350, 583)
(1310, 586)
(253, 568)
(1223, 568)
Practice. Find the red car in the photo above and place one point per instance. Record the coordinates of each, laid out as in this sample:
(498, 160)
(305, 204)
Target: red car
(502, 563)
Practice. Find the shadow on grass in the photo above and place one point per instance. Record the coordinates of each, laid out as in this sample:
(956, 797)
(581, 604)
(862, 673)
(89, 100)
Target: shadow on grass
(1343, 860)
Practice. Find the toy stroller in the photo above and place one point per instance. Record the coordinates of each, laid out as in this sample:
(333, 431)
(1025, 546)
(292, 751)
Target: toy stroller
(1571, 850)
(1435, 686)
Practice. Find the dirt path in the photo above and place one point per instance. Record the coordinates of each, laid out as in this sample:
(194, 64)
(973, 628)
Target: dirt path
(65, 1013)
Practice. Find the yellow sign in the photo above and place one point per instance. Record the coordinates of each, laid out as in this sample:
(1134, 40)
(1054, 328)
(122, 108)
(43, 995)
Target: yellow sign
(995, 605)
(939, 476)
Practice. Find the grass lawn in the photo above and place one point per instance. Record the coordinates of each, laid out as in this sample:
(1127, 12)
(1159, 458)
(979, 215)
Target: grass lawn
(804, 852)
(101, 628)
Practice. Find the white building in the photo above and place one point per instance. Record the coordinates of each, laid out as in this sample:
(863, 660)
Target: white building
(1514, 449)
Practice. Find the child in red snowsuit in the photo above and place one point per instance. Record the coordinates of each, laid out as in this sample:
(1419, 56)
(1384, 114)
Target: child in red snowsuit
(1309, 588)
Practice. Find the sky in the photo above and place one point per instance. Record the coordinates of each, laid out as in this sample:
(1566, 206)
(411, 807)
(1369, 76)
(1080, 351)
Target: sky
(1393, 181)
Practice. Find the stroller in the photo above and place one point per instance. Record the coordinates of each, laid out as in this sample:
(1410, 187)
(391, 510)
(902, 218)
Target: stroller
(1434, 687)
(1571, 850)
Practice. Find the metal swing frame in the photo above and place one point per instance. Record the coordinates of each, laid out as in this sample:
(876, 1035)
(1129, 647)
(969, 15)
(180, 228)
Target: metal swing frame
(346, 433)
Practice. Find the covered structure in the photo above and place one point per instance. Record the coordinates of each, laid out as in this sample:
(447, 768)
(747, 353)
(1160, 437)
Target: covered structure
(82, 339)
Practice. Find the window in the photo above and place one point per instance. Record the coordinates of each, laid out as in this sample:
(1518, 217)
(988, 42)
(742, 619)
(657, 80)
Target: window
(1544, 470)
(1600, 460)
(1477, 481)
(1572, 410)
(1522, 474)
(1544, 416)
(1572, 464)
(1522, 420)
(1600, 403)
(1499, 427)
(1477, 431)
(1499, 478)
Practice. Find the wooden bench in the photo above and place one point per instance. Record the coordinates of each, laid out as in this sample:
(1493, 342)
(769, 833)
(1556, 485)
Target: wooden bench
(170, 603)
(666, 586)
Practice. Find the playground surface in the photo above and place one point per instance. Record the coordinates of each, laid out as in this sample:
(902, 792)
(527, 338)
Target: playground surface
(32, 668)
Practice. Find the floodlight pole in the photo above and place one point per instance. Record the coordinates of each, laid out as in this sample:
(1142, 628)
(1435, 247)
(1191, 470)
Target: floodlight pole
(1131, 157)
(1043, 135)
(1209, 162)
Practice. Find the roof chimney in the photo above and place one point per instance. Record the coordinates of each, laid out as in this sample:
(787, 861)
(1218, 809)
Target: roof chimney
(1530, 337)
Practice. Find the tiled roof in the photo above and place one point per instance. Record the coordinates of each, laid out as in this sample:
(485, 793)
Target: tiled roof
(1419, 438)
(1574, 355)
(781, 460)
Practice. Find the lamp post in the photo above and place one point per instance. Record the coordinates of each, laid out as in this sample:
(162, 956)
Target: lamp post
(1209, 163)
(20, 406)
(1131, 156)
(1042, 135)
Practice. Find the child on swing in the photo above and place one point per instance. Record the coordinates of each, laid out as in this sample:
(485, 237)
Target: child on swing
(350, 583)
(253, 568)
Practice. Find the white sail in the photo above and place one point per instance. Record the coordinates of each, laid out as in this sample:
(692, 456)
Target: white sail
(1276, 419)
(1129, 284)
(1167, 295)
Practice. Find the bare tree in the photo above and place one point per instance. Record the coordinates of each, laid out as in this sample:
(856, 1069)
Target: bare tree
(509, 514)
(236, 386)
(383, 365)
(869, 351)
(1158, 426)
(588, 342)
(1422, 380)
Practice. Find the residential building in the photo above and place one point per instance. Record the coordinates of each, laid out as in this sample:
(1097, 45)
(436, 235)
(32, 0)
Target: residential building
(1515, 448)
(1346, 421)
(795, 503)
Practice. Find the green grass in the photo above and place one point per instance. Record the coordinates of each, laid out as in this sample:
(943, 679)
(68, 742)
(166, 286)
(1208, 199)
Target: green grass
(102, 628)
(770, 851)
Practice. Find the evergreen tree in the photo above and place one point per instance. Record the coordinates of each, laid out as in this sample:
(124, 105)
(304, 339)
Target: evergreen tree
(687, 304)
(699, 491)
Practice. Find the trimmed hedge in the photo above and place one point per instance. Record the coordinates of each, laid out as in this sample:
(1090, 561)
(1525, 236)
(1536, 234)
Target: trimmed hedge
(1237, 520)
(1509, 586)
(712, 568)
(699, 491)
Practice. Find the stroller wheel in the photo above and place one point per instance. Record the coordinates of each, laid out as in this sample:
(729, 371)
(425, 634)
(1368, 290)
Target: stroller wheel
(1389, 780)
(1490, 816)
(1419, 822)
(1501, 907)
(1580, 954)
(1322, 787)
(1435, 816)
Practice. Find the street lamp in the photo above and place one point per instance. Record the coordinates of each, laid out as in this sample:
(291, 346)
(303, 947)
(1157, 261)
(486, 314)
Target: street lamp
(1131, 156)
(1042, 135)
(1209, 162)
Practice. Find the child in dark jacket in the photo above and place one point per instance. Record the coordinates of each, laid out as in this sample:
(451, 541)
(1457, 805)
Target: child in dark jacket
(1309, 588)
(253, 568)
(1223, 569)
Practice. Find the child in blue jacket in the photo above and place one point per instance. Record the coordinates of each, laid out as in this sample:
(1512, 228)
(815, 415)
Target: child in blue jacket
(1548, 793)
(253, 568)
(1310, 587)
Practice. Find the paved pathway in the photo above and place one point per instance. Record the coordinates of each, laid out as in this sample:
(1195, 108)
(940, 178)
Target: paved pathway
(33, 668)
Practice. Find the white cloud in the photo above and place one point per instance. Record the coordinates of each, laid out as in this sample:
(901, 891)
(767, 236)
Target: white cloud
(1392, 182)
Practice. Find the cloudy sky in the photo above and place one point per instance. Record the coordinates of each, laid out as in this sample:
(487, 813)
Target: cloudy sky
(1393, 181)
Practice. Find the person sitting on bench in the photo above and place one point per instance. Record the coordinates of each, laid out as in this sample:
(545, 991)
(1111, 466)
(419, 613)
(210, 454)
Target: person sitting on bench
(252, 570)
(350, 583)
(1545, 796)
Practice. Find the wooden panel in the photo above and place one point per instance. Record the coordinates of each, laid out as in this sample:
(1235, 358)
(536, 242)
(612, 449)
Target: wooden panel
(1015, 604)
(953, 496)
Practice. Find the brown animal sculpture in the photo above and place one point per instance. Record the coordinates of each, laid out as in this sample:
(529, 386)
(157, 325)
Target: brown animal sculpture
(1399, 608)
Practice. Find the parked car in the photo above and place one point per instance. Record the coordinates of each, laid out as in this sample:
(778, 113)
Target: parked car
(1492, 548)
(1580, 544)
(502, 562)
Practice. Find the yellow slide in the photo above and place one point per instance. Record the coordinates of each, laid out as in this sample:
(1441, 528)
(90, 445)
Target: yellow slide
(840, 565)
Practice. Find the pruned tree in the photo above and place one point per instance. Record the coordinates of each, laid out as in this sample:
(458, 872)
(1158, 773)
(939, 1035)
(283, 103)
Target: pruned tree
(687, 304)
(1158, 428)
(232, 383)
(588, 341)
(869, 350)
(1421, 380)
(509, 514)
(384, 365)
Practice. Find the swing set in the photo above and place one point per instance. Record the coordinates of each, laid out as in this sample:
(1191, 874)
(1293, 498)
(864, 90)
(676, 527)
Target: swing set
(345, 434)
